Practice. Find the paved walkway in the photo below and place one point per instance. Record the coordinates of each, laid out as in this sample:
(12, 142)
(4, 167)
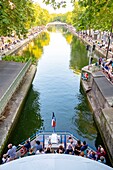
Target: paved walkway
(13, 108)
(8, 72)
(105, 86)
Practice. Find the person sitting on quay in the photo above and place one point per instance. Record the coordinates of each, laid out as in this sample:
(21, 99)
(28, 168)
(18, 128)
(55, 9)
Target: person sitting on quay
(85, 76)
(100, 61)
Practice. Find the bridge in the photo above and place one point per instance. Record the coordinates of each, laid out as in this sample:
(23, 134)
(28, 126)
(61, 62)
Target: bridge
(56, 23)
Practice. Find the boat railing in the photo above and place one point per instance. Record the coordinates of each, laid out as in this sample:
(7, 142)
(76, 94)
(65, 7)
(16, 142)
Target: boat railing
(44, 134)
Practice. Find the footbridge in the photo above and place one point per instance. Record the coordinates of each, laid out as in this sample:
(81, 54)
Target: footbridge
(56, 23)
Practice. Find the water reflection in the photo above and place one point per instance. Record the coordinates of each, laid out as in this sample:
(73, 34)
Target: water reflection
(56, 87)
(30, 119)
(78, 55)
(83, 119)
(35, 48)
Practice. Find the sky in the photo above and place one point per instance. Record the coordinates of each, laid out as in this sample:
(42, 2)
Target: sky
(50, 8)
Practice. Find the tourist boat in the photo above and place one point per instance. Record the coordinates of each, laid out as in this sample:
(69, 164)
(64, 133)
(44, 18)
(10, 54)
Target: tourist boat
(53, 161)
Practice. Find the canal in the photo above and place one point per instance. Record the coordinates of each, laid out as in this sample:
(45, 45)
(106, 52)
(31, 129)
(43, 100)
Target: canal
(56, 88)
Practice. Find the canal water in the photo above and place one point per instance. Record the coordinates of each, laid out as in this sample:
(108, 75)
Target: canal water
(56, 88)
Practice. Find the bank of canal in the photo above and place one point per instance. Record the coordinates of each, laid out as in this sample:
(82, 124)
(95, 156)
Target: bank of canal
(56, 87)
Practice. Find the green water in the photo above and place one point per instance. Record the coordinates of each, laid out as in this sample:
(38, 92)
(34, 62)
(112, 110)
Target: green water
(56, 88)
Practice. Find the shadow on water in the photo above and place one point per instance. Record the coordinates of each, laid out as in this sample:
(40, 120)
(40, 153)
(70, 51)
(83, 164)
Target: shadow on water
(29, 120)
(83, 118)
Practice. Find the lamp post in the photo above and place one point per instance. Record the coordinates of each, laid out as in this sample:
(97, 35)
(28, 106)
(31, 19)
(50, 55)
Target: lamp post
(109, 41)
(108, 47)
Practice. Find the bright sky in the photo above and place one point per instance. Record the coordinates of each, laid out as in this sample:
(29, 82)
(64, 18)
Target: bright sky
(50, 8)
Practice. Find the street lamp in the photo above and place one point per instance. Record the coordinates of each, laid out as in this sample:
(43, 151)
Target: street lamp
(108, 46)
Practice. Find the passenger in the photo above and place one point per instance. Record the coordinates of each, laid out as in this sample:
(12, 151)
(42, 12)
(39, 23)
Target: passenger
(100, 152)
(5, 158)
(48, 150)
(37, 146)
(61, 149)
(91, 155)
(77, 148)
(23, 151)
(40, 151)
(27, 145)
(11, 153)
(31, 152)
(84, 146)
(70, 146)
(102, 160)
(82, 154)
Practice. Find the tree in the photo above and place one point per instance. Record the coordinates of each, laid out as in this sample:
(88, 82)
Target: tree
(15, 16)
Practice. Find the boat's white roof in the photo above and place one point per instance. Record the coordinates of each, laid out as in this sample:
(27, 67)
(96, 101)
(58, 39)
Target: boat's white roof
(54, 162)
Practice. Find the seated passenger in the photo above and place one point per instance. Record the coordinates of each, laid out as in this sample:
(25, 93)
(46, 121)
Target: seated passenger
(30, 152)
(100, 152)
(82, 154)
(37, 146)
(70, 146)
(48, 150)
(5, 158)
(27, 145)
(91, 155)
(102, 160)
(60, 149)
(84, 146)
(11, 153)
(40, 151)
(77, 148)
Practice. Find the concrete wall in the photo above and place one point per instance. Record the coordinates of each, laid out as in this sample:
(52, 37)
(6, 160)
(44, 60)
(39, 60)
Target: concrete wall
(103, 113)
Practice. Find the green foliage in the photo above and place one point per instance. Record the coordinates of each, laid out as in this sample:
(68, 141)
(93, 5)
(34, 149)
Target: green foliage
(93, 14)
(22, 59)
(55, 4)
(18, 16)
(66, 17)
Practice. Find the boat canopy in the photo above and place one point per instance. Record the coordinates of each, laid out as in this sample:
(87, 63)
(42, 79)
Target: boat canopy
(54, 162)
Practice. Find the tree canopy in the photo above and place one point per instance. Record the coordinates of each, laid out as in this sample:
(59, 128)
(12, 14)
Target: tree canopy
(19, 16)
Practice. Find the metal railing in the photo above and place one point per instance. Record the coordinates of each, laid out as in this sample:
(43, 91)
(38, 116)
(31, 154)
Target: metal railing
(12, 88)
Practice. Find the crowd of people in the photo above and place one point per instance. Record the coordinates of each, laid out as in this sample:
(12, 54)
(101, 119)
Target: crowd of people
(9, 42)
(107, 67)
(77, 148)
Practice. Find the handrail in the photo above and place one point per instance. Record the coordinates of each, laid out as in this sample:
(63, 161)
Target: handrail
(44, 133)
(10, 91)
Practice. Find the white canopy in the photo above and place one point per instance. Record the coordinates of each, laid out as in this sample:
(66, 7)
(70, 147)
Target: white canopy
(54, 162)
